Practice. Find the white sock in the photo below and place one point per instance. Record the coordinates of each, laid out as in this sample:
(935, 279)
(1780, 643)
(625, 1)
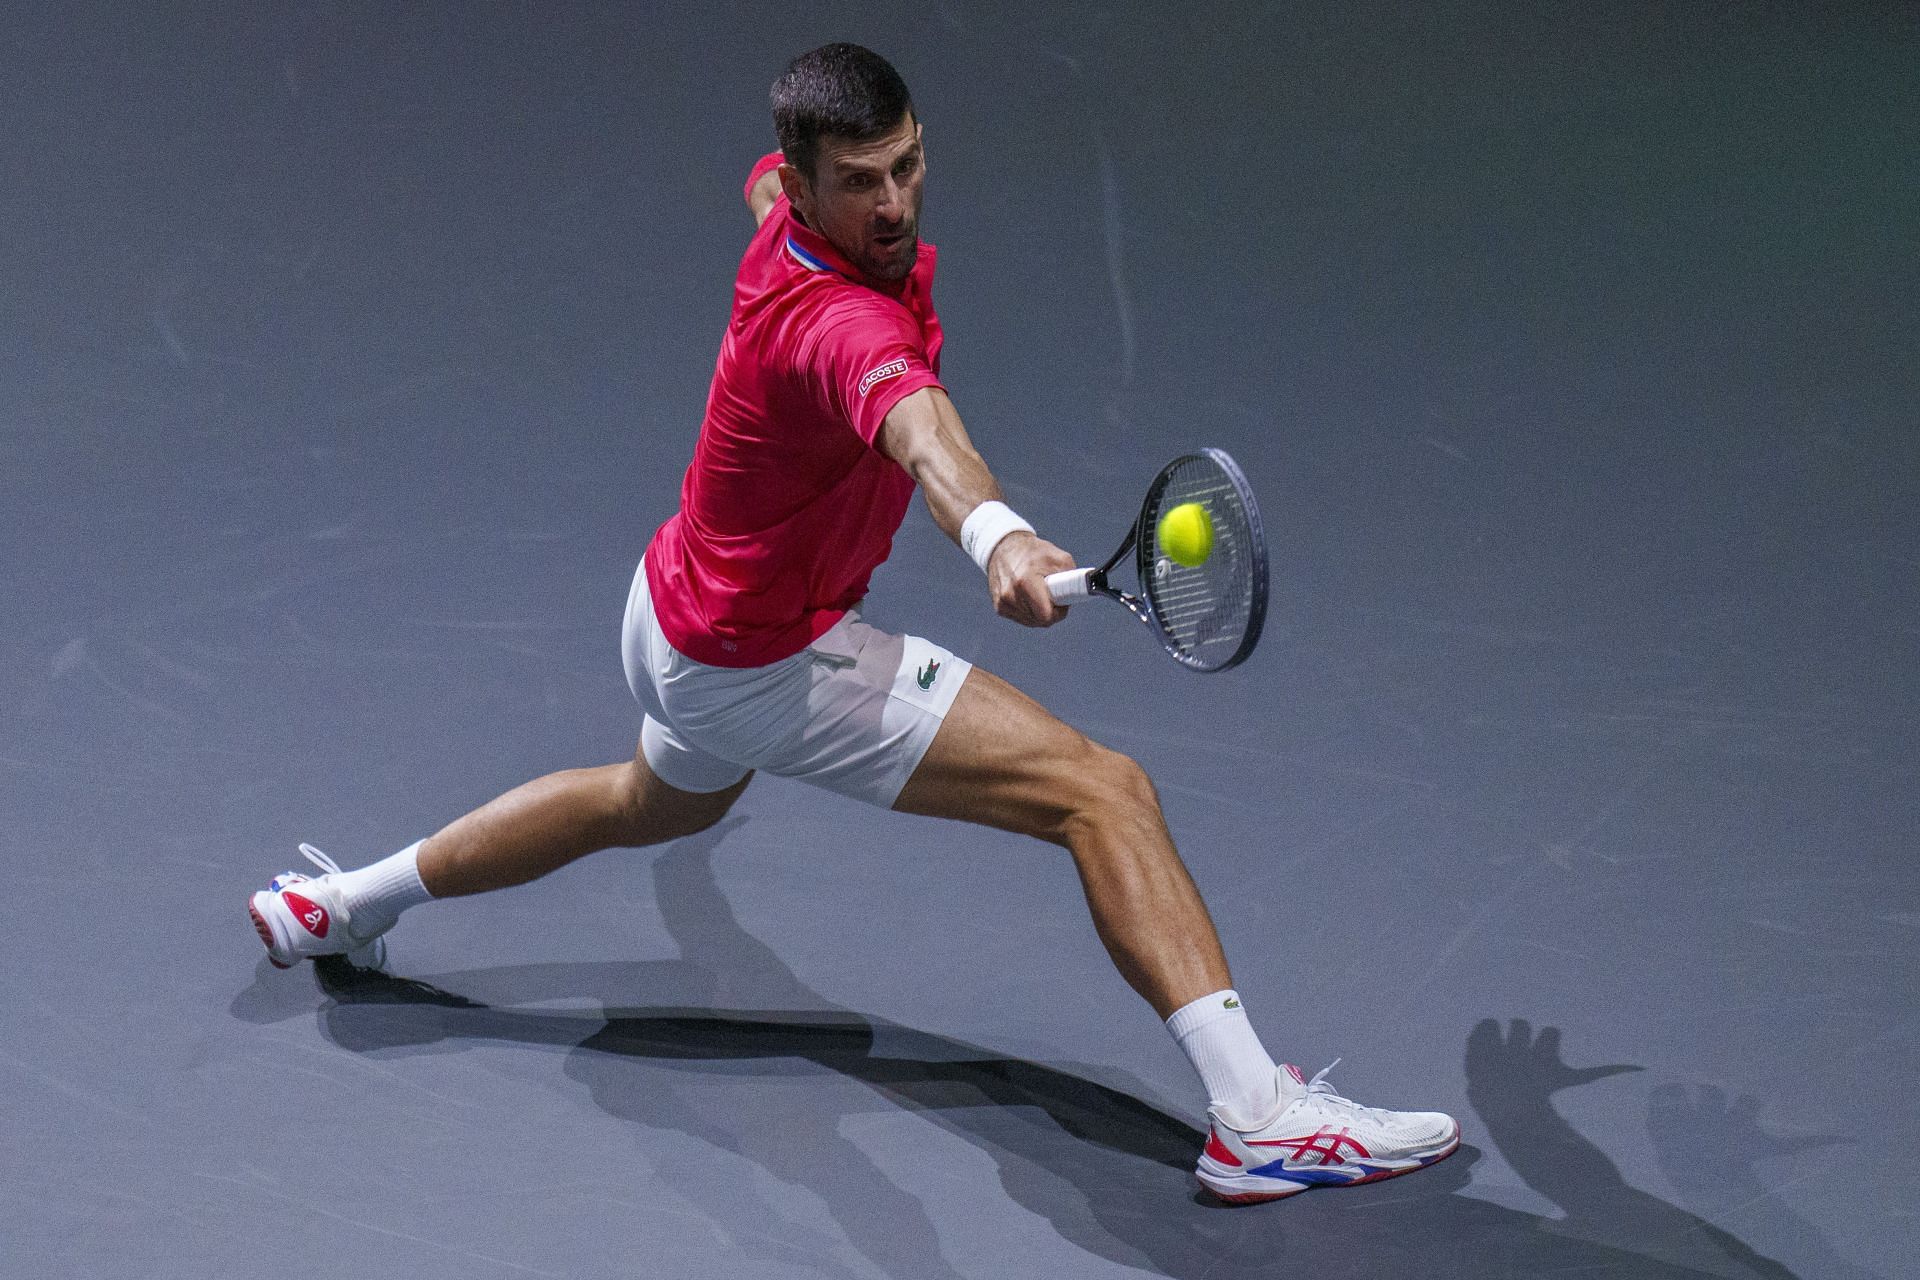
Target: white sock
(376, 895)
(1237, 1071)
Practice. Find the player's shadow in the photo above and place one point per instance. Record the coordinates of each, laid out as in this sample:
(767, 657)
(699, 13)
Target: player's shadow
(1110, 1173)
(1710, 1147)
(1512, 1075)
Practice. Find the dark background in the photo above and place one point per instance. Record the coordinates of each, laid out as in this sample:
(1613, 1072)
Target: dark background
(350, 354)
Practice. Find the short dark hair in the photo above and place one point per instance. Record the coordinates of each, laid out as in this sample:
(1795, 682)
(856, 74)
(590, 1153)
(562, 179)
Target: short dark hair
(839, 89)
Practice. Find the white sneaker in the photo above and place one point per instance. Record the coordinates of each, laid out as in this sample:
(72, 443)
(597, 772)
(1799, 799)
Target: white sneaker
(1318, 1139)
(298, 918)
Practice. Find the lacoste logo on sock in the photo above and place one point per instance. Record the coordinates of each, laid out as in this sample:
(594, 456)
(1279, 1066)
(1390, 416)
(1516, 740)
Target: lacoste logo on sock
(1231, 1003)
(927, 673)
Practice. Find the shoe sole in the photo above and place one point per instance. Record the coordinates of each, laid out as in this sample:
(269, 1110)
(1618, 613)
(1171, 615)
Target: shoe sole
(265, 930)
(1280, 1188)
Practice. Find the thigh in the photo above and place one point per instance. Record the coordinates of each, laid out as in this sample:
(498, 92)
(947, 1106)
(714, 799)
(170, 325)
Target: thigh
(660, 810)
(1002, 760)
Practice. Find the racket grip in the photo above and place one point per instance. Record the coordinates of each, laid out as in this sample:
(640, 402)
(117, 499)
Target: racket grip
(1074, 584)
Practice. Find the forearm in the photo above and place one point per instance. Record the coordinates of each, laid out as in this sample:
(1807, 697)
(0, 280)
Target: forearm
(925, 435)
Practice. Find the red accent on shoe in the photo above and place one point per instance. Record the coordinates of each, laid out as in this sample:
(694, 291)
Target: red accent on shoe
(1328, 1144)
(1294, 1072)
(266, 938)
(312, 916)
(1250, 1197)
(1218, 1150)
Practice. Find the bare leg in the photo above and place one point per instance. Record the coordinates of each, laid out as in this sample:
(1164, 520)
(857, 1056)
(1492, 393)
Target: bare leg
(1003, 760)
(551, 821)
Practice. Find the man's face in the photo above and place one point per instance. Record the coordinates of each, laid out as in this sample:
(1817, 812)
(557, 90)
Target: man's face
(864, 197)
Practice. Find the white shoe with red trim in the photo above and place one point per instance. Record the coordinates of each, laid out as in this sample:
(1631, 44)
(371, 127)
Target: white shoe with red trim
(299, 918)
(1318, 1139)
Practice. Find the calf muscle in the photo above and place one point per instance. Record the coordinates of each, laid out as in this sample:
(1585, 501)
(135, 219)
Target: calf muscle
(1004, 761)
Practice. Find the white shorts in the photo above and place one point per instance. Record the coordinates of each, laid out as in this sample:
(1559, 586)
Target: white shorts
(852, 712)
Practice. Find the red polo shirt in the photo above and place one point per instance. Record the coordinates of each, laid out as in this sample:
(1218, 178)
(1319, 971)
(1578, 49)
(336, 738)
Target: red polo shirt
(788, 507)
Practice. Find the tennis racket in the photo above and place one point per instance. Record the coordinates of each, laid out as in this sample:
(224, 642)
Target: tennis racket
(1208, 614)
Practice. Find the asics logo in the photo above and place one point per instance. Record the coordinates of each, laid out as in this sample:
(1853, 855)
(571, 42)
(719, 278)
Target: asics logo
(1327, 1146)
(307, 912)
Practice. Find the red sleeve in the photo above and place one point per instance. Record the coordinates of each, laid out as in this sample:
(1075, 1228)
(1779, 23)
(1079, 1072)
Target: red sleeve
(869, 358)
(761, 168)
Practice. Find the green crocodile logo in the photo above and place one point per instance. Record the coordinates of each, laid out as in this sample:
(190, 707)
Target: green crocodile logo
(927, 673)
(1230, 1003)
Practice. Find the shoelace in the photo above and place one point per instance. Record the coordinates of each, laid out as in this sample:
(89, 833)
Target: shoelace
(1319, 1088)
(331, 867)
(371, 955)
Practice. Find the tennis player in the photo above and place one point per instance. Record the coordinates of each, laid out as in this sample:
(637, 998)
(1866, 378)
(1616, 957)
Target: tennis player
(744, 643)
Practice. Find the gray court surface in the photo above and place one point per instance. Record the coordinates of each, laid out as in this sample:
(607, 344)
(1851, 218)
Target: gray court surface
(351, 353)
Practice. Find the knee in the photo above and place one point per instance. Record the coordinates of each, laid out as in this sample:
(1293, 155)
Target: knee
(1131, 788)
(1110, 789)
(650, 812)
(685, 820)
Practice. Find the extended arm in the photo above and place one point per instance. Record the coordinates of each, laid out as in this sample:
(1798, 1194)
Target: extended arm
(924, 434)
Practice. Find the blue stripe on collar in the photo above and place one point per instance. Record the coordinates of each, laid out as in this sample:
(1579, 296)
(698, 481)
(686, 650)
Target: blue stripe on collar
(810, 261)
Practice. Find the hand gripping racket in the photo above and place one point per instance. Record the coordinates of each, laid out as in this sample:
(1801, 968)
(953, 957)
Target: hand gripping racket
(1207, 614)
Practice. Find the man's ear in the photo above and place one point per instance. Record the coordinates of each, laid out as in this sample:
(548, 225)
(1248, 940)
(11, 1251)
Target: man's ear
(794, 183)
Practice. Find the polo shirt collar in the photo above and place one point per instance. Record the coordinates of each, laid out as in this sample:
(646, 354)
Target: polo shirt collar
(815, 252)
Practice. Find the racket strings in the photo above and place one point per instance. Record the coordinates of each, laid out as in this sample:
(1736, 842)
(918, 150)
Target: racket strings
(1205, 609)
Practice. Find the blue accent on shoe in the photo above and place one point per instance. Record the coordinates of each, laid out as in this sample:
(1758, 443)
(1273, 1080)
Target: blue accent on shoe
(1307, 1177)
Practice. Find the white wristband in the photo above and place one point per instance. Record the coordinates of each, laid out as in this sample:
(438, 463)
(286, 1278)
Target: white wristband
(985, 526)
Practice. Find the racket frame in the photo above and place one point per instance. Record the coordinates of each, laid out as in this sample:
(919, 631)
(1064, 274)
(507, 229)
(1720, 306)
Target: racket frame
(1139, 541)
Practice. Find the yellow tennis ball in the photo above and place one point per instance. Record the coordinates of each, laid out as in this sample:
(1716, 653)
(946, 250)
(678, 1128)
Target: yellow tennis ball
(1186, 534)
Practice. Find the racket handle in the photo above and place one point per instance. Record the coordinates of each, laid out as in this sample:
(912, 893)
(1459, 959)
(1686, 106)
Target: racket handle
(1074, 584)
